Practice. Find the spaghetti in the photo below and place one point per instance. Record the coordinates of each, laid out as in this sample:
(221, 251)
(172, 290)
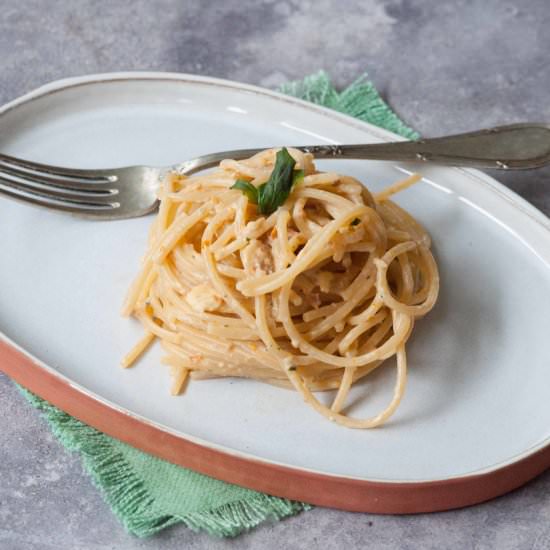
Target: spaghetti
(313, 296)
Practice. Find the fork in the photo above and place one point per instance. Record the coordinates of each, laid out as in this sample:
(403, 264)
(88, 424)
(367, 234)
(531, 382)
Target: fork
(128, 192)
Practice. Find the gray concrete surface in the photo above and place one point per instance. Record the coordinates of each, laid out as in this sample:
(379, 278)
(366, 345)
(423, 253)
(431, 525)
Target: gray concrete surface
(443, 65)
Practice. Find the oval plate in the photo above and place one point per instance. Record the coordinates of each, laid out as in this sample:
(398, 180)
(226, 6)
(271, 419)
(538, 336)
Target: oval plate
(475, 420)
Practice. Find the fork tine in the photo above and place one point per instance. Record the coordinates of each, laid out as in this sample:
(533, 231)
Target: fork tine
(48, 179)
(73, 173)
(90, 212)
(56, 194)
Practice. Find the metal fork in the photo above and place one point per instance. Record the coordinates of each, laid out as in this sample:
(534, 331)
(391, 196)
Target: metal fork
(110, 194)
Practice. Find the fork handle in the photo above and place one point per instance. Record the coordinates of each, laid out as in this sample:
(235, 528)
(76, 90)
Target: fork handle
(511, 147)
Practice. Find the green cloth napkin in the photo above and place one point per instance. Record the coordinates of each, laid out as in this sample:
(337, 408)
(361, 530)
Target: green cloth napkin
(148, 494)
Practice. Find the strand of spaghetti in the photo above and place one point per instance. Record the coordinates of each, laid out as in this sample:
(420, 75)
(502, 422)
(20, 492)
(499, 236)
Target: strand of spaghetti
(326, 197)
(285, 359)
(285, 256)
(179, 380)
(366, 314)
(216, 371)
(230, 271)
(385, 291)
(397, 187)
(396, 216)
(343, 390)
(165, 206)
(323, 178)
(146, 285)
(137, 350)
(343, 420)
(232, 333)
(406, 288)
(243, 169)
(353, 334)
(313, 314)
(194, 196)
(227, 234)
(241, 216)
(398, 235)
(156, 329)
(299, 218)
(379, 334)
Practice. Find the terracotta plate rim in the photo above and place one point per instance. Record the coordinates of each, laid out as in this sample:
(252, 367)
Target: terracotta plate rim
(81, 390)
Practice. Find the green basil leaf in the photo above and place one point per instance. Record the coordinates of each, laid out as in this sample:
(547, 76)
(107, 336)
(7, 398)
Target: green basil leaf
(248, 189)
(276, 190)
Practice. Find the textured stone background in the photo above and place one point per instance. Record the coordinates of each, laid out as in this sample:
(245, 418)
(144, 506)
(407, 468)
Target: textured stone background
(444, 66)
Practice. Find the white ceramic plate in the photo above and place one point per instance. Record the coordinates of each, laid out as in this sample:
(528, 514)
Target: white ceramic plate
(477, 397)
